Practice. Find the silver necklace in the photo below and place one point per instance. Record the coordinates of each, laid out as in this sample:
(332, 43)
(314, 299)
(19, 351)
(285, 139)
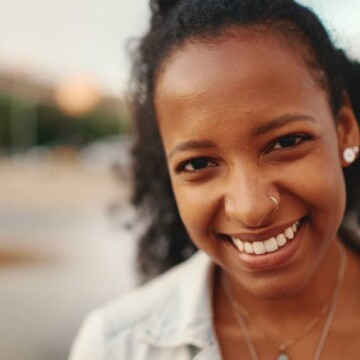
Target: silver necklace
(329, 308)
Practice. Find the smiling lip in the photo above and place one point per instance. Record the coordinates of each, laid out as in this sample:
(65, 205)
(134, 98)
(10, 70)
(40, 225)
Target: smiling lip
(268, 260)
(256, 236)
(271, 244)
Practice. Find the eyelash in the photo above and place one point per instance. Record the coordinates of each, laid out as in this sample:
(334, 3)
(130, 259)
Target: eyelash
(298, 138)
(182, 166)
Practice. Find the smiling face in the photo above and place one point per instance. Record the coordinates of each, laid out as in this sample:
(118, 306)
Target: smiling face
(242, 119)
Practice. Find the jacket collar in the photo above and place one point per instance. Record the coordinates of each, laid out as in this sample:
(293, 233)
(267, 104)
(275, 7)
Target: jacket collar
(185, 317)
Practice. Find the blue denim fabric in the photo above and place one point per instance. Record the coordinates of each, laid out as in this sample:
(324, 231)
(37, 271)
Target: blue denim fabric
(167, 319)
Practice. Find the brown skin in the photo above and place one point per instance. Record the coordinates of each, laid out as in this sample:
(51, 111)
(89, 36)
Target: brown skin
(219, 94)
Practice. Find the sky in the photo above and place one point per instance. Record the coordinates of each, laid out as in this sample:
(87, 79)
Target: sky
(57, 39)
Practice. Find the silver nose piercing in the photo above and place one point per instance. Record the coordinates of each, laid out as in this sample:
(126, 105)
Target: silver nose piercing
(275, 202)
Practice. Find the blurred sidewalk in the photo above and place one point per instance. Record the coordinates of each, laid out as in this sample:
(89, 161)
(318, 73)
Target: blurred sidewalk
(60, 253)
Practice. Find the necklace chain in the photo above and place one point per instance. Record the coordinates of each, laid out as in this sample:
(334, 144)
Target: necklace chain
(285, 344)
(241, 313)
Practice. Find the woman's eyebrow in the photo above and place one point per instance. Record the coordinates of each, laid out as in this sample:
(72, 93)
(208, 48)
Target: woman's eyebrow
(279, 122)
(191, 144)
(259, 130)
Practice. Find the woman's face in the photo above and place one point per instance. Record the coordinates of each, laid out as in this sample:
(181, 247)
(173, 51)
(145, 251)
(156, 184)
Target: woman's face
(242, 119)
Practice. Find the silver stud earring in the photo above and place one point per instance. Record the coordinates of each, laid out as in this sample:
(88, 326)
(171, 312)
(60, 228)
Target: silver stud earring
(350, 154)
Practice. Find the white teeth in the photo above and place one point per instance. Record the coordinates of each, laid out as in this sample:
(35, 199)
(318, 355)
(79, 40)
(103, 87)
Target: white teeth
(259, 247)
(267, 246)
(289, 233)
(248, 248)
(281, 240)
(239, 244)
(271, 245)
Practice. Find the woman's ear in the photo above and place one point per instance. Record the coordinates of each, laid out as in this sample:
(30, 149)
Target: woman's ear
(348, 133)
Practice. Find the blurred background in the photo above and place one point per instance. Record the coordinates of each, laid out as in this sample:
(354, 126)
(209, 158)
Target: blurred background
(64, 160)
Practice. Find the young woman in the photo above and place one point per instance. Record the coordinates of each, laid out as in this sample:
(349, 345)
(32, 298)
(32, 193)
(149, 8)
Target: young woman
(246, 146)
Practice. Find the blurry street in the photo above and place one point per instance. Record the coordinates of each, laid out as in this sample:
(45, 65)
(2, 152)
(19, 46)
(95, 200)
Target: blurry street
(61, 253)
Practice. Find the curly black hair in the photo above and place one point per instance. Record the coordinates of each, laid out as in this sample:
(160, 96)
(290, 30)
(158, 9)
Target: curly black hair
(165, 241)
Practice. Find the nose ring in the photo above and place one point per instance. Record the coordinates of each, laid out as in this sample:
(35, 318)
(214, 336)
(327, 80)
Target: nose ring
(275, 202)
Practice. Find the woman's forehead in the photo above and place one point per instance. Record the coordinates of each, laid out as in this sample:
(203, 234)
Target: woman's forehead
(233, 66)
(291, 42)
(234, 80)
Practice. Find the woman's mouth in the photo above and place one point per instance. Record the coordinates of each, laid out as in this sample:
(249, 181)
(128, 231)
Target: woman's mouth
(269, 245)
(262, 254)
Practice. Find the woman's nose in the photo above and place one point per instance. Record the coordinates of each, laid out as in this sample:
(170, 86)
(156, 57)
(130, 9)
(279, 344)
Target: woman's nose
(251, 199)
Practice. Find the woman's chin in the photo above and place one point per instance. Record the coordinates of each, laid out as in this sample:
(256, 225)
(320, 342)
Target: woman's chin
(275, 292)
(276, 287)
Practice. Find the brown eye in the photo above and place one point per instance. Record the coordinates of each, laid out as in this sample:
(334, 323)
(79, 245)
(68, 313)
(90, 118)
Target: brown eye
(196, 164)
(289, 141)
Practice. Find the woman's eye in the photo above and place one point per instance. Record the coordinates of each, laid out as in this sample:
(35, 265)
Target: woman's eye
(289, 141)
(196, 165)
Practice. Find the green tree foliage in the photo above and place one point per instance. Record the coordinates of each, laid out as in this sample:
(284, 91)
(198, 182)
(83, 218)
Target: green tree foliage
(53, 127)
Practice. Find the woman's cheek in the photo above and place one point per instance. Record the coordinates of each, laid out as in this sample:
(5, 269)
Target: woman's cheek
(197, 207)
(317, 185)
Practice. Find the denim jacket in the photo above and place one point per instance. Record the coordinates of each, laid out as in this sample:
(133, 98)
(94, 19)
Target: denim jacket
(167, 319)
